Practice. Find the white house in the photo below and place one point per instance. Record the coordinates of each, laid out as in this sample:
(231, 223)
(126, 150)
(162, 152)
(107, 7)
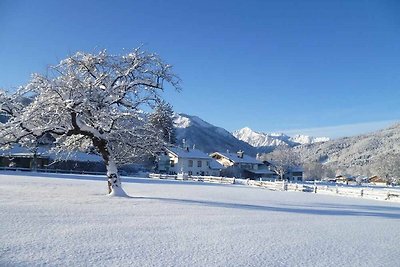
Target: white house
(187, 161)
(242, 165)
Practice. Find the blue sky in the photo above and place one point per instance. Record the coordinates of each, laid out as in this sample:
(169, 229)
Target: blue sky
(294, 66)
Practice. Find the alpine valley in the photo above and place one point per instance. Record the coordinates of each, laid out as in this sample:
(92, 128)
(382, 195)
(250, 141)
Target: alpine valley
(357, 153)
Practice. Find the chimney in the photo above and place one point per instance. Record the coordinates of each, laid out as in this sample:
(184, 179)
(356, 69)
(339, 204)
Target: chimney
(240, 154)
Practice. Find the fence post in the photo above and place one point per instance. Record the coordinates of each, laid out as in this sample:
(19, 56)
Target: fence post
(315, 187)
(284, 185)
(362, 192)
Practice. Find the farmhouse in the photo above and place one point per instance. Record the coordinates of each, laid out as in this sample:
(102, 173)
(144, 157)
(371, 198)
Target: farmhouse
(189, 161)
(376, 180)
(241, 165)
(344, 179)
(42, 159)
(19, 157)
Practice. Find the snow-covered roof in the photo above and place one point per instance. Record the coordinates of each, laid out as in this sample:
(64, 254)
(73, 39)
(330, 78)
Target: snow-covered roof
(44, 152)
(18, 151)
(236, 159)
(215, 165)
(188, 153)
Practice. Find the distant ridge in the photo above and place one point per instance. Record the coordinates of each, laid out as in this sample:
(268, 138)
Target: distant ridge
(266, 141)
(363, 153)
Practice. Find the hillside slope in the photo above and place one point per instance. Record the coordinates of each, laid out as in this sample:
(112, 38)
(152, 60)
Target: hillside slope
(354, 152)
(207, 137)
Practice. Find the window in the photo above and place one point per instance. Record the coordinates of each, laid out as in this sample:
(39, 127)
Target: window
(190, 172)
(190, 163)
(207, 163)
(199, 163)
(172, 163)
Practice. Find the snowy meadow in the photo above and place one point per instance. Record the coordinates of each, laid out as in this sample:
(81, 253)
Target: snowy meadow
(67, 220)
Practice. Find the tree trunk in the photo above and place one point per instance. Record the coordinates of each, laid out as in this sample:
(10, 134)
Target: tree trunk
(114, 180)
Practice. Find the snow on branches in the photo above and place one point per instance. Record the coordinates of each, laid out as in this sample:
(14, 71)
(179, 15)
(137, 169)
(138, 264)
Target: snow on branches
(283, 159)
(94, 100)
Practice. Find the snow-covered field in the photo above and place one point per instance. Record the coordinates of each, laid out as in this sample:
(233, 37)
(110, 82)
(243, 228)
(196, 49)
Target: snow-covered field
(48, 221)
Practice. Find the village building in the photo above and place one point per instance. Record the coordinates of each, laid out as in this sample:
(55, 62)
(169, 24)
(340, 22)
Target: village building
(377, 180)
(187, 161)
(240, 165)
(344, 179)
(42, 159)
(22, 158)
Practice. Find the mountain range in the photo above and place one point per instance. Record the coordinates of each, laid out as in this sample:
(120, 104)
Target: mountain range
(210, 138)
(266, 141)
(358, 153)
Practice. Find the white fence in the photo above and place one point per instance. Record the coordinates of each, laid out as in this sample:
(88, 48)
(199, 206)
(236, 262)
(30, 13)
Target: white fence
(379, 193)
(210, 179)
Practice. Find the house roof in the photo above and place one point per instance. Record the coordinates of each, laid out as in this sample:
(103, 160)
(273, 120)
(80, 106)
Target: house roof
(215, 165)
(188, 153)
(236, 159)
(44, 152)
(377, 179)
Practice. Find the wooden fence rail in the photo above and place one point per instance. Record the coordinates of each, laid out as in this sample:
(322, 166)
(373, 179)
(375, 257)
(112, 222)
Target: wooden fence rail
(361, 192)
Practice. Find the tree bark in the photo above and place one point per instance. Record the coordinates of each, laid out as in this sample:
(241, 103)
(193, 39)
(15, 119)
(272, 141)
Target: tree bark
(113, 178)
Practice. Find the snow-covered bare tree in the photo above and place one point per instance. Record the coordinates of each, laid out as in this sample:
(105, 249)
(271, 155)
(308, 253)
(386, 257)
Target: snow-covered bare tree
(95, 100)
(388, 168)
(10, 104)
(317, 171)
(162, 119)
(283, 160)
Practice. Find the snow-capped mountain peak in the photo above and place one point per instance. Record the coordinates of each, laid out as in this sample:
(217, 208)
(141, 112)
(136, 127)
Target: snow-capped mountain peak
(210, 138)
(207, 137)
(182, 120)
(305, 139)
(259, 139)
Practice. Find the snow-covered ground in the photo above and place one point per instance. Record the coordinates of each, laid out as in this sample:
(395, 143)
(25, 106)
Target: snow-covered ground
(45, 221)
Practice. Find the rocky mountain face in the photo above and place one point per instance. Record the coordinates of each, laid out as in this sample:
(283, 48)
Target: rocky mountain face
(206, 136)
(267, 141)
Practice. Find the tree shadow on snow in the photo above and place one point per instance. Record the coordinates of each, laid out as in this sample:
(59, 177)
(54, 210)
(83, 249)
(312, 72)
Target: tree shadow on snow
(342, 210)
